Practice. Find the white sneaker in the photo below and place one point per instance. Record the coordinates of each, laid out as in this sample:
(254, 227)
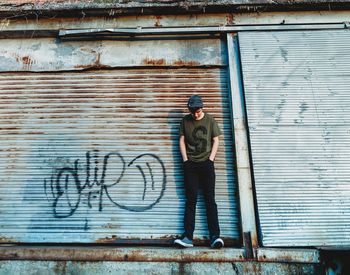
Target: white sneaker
(184, 242)
(216, 243)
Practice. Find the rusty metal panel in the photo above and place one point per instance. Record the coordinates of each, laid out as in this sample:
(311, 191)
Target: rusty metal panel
(297, 96)
(49, 54)
(93, 156)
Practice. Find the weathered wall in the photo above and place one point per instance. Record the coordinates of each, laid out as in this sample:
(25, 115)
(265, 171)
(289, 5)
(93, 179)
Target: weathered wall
(117, 7)
(52, 55)
(48, 27)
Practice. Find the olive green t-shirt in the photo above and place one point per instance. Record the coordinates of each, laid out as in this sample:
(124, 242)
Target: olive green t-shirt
(199, 136)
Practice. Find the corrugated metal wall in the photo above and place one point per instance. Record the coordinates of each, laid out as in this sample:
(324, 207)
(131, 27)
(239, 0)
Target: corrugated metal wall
(297, 94)
(93, 156)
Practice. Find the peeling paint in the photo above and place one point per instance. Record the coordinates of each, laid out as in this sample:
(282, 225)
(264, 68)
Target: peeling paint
(230, 19)
(46, 55)
(186, 63)
(158, 21)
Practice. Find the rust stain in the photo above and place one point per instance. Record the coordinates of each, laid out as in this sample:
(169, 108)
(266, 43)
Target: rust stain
(230, 19)
(113, 254)
(255, 268)
(26, 60)
(281, 258)
(158, 23)
(35, 133)
(95, 65)
(180, 62)
(111, 226)
(154, 62)
(107, 239)
(92, 66)
(9, 128)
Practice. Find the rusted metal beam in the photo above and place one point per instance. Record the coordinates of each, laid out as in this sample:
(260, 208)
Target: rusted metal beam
(151, 254)
(140, 254)
(248, 246)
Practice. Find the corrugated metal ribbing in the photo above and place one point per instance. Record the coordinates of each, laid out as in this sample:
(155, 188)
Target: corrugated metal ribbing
(93, 156)
(297, 93)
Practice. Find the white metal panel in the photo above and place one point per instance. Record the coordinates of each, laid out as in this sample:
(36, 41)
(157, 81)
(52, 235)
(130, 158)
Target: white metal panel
(49, 54)
(297, 95)
(93, 156)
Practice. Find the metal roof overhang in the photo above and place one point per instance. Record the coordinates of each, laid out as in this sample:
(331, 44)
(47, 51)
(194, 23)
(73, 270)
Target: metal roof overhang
(208, 30)
(32, 9)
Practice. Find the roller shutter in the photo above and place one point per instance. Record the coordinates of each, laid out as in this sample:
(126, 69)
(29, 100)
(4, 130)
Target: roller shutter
(93, 156)
(297, 95)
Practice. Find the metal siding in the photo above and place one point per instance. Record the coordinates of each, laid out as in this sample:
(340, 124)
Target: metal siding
(296, 88)
(57, 131)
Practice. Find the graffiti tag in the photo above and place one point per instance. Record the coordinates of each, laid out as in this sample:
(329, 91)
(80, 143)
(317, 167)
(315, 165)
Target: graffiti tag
(65, 188)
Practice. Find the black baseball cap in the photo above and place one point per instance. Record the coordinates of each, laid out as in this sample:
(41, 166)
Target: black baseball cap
(195, 102)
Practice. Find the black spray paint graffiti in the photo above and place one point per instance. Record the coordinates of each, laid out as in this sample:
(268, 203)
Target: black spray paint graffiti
(65, 187)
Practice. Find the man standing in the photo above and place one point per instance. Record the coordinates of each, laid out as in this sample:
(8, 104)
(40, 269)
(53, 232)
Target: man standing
(199, 142)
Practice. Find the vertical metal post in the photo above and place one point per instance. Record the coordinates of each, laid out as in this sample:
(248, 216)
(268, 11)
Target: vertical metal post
(244, 176)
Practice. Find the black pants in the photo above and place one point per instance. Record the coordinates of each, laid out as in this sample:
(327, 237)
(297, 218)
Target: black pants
(200, 174)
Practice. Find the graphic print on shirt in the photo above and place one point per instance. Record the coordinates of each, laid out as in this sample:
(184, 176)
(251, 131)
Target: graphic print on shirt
(200, 141)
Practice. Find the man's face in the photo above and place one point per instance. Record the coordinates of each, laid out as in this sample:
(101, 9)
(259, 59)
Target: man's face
(197, 114)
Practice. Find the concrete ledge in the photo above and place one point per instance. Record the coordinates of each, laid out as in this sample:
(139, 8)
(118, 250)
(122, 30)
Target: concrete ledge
(285, 255)
(171, 268)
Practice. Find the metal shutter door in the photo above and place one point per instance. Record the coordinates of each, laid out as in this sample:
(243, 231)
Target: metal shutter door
(297, 94)
(93, 156)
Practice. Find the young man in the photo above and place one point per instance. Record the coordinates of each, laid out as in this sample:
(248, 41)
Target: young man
(199, 142)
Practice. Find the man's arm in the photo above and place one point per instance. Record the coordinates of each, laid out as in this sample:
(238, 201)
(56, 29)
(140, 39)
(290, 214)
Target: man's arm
(214, 148)
(183, 148)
